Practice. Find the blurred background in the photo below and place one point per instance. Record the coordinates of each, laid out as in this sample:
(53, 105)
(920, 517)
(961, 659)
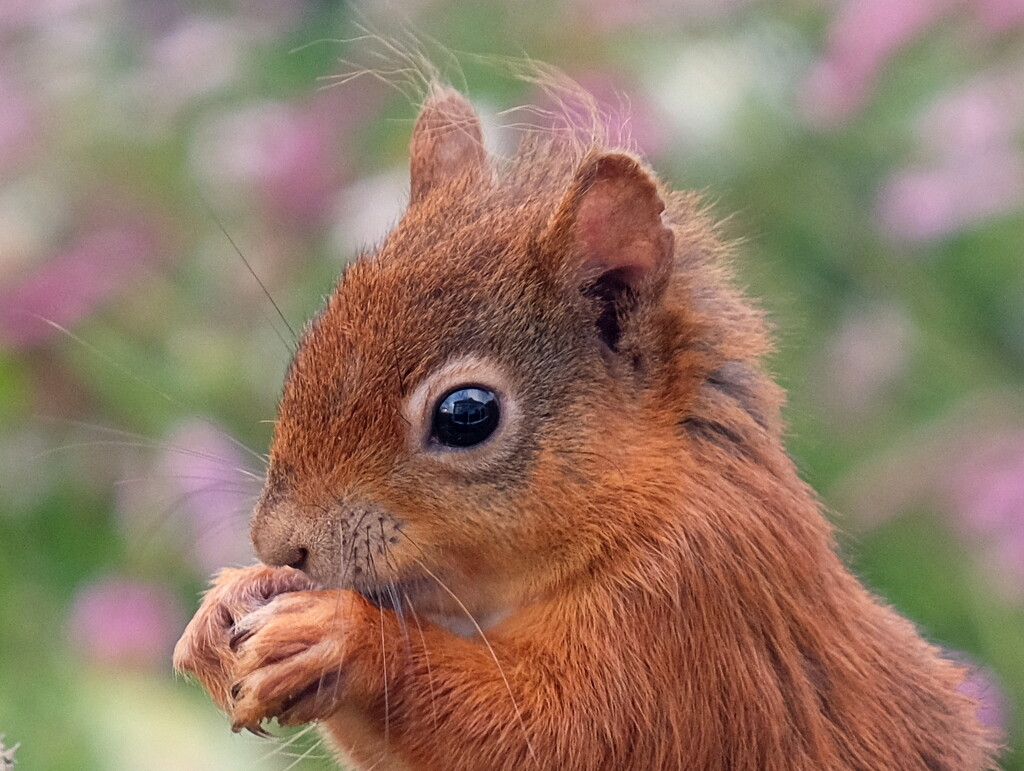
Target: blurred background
(868, 153)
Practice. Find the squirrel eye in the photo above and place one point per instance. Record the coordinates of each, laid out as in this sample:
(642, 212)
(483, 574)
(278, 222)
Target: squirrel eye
(465, 416)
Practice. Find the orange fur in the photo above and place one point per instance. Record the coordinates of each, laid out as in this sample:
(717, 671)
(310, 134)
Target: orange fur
(630, 574)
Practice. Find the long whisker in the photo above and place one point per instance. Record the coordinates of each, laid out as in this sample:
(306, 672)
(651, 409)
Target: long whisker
(111, 362)
(301, 757)
(159, 445)
(383, 647)
(396, 602)
(387, 695)
(144, 446)
(490, 648)
(259, 281)
(149, 527)
(218, 484)
(337, 612)
(426, 660)
(279, 747)
(354, 546)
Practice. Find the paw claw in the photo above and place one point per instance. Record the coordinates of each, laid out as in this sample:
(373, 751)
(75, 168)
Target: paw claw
(265, 645)
(238, 637)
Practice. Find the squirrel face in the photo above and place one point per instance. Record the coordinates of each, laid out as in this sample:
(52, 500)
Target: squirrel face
(534, 301)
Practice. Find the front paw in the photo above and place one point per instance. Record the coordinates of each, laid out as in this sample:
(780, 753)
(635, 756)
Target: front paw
(204, 649)
(300, 656)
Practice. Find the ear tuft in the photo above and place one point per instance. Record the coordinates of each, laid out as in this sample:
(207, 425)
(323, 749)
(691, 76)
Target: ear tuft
(447, 142)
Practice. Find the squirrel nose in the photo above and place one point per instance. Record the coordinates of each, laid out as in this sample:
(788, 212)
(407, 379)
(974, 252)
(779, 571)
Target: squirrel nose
(276, 541)
(278, 553)
(298, 559)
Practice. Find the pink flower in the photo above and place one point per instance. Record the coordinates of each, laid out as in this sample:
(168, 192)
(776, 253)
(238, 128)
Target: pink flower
(972, 167)
(289, 156)
(921, 204)
(368, 209)
(17, 124)
(982, 117)
(215, 490)
(270, 19)
(867, 354)
(22, 13)
(918, 205)
(195, 496)
(120, 621)
(74, 283)
(987, 494)
(866, 35)
(299, 166)
(861, 41)
(197, 57)
(981, 686)
(1000, 15)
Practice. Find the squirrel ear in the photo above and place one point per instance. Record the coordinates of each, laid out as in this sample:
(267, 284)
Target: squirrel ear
(609, 235)
(610, 221)
(447, 142)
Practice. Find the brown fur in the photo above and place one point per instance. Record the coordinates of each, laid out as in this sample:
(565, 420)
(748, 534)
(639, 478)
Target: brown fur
(658, 587)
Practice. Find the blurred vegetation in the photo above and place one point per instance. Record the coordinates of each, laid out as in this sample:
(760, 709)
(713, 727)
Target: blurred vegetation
(873, 174)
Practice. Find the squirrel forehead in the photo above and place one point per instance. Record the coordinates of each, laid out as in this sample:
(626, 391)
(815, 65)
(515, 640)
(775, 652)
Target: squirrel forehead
(398, 315)
(454, 271)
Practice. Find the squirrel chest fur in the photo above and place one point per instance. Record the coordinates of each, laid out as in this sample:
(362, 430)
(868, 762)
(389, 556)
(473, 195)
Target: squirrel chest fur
(528, 505)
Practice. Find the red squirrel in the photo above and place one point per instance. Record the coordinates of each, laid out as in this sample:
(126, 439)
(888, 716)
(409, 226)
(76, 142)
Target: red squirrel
(528, 505)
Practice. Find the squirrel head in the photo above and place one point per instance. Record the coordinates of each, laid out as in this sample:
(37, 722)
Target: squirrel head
(494, 398)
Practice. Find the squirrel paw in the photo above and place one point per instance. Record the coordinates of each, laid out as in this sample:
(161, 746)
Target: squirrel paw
(204, 649)
(296, 657)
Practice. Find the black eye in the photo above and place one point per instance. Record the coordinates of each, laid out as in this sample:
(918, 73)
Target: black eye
(465, 416)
